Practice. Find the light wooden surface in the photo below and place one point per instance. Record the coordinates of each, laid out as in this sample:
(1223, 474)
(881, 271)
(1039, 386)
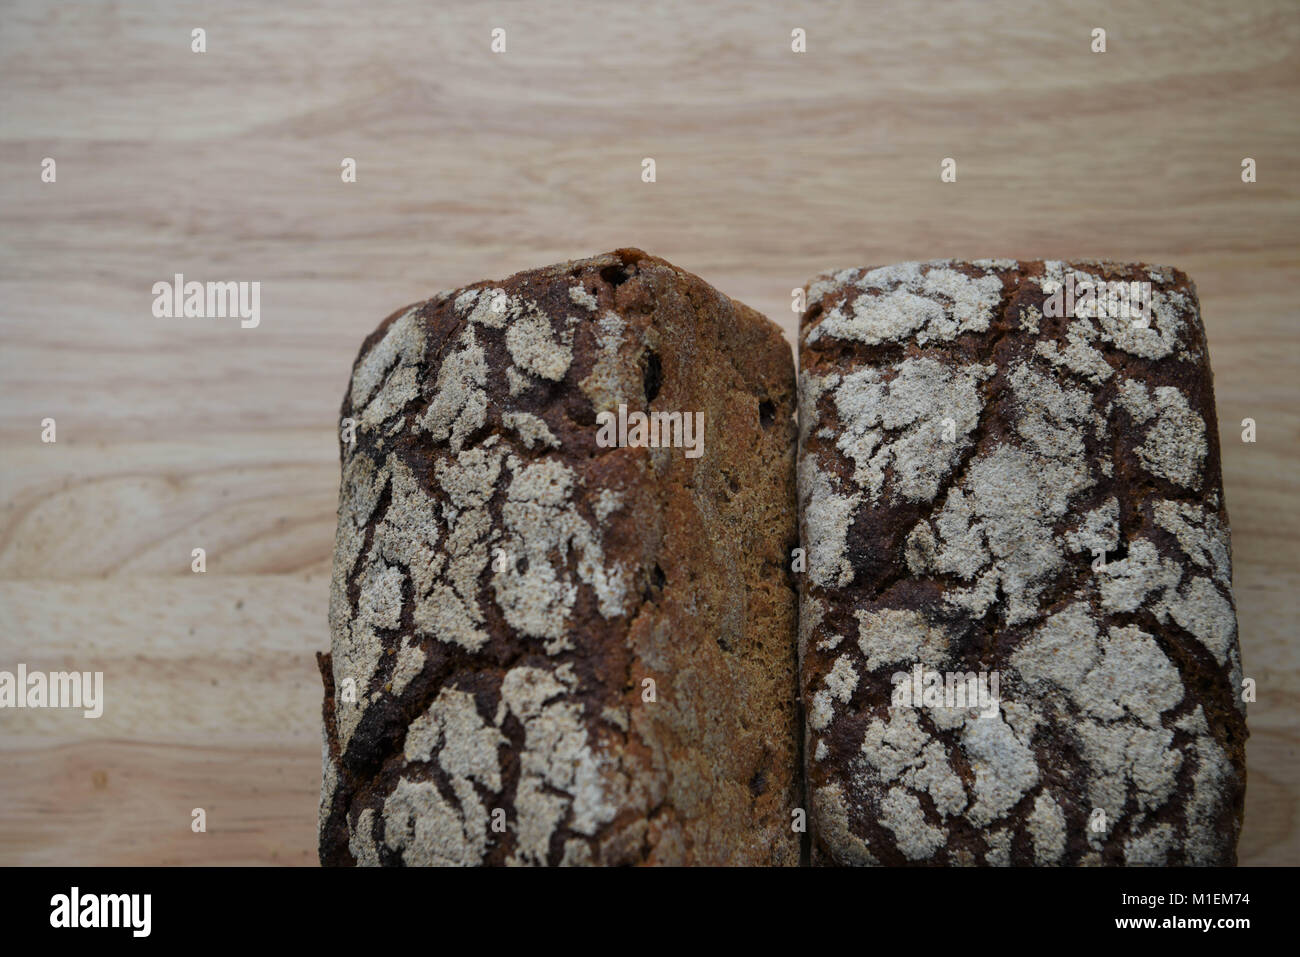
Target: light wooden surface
(772, 166)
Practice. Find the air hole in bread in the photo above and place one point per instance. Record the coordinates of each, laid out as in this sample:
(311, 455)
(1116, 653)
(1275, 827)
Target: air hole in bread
(654, 375)
(614, 275)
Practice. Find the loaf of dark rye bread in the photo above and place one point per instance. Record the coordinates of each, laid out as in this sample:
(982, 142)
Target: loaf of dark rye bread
(988, 490)
(547, 651)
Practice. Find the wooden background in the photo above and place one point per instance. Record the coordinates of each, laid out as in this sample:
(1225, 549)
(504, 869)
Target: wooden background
(176, 434)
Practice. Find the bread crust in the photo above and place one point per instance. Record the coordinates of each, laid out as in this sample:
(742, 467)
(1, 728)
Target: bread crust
(504, 586)
(968, 463)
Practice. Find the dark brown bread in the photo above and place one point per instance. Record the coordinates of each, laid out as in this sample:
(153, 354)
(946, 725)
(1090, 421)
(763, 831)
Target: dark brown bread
(986, 488)
(504, 586)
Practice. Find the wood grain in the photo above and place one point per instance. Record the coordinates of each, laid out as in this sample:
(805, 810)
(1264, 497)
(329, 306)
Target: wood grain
(772, 166)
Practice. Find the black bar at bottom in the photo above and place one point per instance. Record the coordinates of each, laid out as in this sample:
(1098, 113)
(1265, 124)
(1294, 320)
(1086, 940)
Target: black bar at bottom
(586, 910)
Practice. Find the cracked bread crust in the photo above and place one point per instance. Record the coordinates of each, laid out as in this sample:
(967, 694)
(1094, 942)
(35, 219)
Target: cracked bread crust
(502, 585)
(964, 460)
